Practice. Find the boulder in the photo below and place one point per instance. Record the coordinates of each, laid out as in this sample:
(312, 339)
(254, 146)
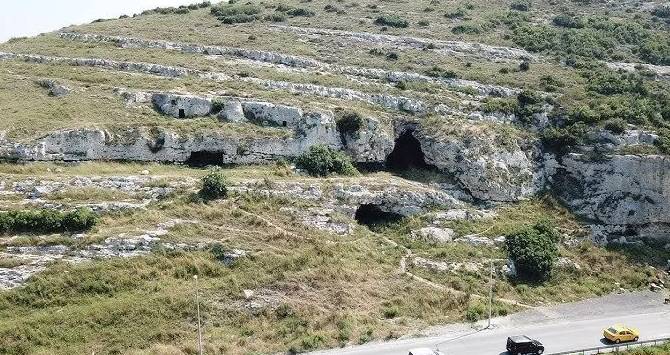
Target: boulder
(433, 235)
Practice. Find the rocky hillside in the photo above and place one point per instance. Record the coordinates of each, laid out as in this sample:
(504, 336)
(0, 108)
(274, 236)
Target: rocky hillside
(467, 121)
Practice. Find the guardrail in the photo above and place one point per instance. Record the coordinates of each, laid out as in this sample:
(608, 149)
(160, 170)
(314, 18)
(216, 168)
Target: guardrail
(615, 348)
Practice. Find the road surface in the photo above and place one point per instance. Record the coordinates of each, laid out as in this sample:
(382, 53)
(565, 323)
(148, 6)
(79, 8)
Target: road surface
(560, 328)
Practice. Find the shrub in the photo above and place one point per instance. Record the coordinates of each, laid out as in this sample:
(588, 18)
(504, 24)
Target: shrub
(231, 13)
(524, 66)
(80, 220)
(467, 29)
(661, 11)
(663, 141)
(349, 124)
(521, 5)
(550, 83)
(214, 186)
(392, 56)
(300, 12)
(568, 21)
(616, 125)
(182, 10)
(320, 160)
(276, 17)
(392, 21)
(528, 104)
(437, 72)
(458, 13)
(562, 139)
(423, 23)
(533, 250)
(47, 221)
(507, 106)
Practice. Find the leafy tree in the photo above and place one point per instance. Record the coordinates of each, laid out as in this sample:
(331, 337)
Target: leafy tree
(533, 250)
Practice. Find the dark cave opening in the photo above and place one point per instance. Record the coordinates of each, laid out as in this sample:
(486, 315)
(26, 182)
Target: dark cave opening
(406, 154)
(203, 158)
(372, 216)
(182, 113)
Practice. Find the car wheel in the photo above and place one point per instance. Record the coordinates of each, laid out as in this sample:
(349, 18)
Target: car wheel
(617, 341)
(636, 339)
(539, 352)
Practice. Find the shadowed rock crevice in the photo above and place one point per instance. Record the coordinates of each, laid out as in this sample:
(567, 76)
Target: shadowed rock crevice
(372, 216)
(407, 154)
(201, 159)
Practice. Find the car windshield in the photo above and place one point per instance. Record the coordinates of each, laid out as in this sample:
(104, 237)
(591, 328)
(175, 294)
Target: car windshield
(612, 330)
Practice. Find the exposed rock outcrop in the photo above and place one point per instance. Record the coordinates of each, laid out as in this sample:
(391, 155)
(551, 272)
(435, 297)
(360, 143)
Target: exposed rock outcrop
(623, 195)
(308, 63)
(490, 166)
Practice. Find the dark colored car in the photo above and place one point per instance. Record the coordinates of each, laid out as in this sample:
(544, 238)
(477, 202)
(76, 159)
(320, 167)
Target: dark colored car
(522, 344)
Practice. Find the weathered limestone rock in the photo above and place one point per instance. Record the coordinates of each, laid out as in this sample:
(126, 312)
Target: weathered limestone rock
(626, 194)
(371, 144)
(55, 89)
(440, 266)
(232, 111)
(181, 106)
(268, 114)
(433, 235)
(476, 240)
(489, 167)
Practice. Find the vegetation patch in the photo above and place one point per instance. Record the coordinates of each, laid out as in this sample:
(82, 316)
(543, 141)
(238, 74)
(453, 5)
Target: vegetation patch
(320, 160)
(47, 221)
(392, 21)
(534, 251)
(236, 13)
(214, 186)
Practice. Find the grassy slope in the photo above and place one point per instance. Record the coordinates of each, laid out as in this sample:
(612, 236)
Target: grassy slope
(314, 289)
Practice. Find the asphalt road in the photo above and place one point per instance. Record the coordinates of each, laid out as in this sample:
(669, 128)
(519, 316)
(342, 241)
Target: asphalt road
(560, 328)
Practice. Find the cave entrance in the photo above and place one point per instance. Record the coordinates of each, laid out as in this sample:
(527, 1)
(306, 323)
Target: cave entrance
(406, 154)
(372, 216)
(182, 113)
(205, 158)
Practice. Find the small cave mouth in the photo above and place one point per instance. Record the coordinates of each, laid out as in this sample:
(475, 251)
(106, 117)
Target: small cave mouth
(182, 113)
(372, 216)
(203, 158)
(406, 154)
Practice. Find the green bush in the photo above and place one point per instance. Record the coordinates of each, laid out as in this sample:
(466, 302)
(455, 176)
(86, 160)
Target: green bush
(503, 105)
(320, 160)
(562, 139)
(524, 65)
(233, 13)
(349, 124)
(663, 141)
(437, 72)
(568, 21)
(47, 221)
(521, 5)
(470, 29)
(615, 125)
(458, 13)
(392, 21)
(533, 251)
(528, 104)
(276, 17)
(300, 12)
(214, 186)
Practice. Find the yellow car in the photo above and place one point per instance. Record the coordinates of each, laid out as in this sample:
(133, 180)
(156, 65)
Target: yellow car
(619, 333)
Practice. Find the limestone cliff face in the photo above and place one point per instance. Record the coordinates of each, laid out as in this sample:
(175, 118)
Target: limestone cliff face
(626, 195)
(622, 196)
(489, 168)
